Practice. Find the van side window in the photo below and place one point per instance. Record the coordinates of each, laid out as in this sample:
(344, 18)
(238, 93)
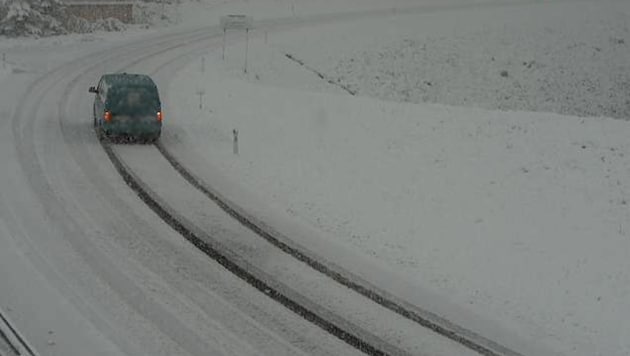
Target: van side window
(102, 90)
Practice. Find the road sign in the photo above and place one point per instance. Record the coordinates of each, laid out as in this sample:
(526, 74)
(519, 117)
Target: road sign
(236, 22)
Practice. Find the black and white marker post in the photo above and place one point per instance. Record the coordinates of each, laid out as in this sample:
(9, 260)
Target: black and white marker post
(223, 51)
(246, 48)
(200, 92)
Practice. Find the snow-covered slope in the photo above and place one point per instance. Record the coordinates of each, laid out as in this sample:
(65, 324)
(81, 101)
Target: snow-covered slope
(536, 63)
(518, 216)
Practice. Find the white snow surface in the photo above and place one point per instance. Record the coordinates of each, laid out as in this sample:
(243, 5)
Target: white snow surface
(535, 63)
(520, 218)
(512, 223)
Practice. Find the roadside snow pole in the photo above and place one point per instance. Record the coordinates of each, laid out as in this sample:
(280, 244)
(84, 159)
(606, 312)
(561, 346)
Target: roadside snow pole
(246, 48)
(235, 144)
(223, 52)
(200, 92)
(4, 60)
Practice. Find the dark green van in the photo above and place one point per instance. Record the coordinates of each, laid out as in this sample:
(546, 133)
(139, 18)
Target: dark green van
(127, 105)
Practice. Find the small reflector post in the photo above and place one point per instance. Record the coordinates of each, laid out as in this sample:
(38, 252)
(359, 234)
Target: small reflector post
(159, 116)
(107, 116)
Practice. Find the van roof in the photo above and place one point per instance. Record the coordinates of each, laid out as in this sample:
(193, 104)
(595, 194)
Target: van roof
(128, 79)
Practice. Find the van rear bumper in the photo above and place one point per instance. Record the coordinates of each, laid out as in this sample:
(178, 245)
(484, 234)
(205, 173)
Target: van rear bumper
(134, 128)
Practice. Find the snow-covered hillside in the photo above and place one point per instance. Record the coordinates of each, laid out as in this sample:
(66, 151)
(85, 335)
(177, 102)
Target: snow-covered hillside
(568, 61)
(576, 68)
(518, 216)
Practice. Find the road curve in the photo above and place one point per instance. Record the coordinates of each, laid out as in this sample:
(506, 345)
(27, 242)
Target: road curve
(311, 309)
(103, 273)
(132, 282)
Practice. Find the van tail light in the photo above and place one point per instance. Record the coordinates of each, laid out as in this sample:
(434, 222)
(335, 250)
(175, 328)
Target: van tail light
(159, 116)
(107, 116)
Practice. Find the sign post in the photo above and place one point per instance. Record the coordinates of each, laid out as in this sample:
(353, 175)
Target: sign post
(223, 53)
(237, 22)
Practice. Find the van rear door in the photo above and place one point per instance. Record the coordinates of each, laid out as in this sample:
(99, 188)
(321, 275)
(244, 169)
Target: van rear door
(134, 102)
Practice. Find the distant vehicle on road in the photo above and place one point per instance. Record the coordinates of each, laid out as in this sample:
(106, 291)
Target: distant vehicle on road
(127, 105)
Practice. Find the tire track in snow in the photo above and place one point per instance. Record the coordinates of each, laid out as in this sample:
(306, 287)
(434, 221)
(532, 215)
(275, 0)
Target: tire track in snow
(336, 326)
(462, 336)
(345, 331)
(12, 337)
(23, 130)
(425, 318)
(23, 121)
(422, 317)
(332, 324)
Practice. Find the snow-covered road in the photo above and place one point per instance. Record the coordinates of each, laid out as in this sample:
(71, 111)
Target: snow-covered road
(92, 270)
(87, 268)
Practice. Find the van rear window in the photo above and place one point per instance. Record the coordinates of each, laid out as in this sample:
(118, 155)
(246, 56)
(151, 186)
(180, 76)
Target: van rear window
(133, 101)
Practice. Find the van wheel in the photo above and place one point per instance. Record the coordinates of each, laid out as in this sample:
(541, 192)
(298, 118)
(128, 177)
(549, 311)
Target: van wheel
(151, 138)
(99, 130)
(99, 133)
(147, 140)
